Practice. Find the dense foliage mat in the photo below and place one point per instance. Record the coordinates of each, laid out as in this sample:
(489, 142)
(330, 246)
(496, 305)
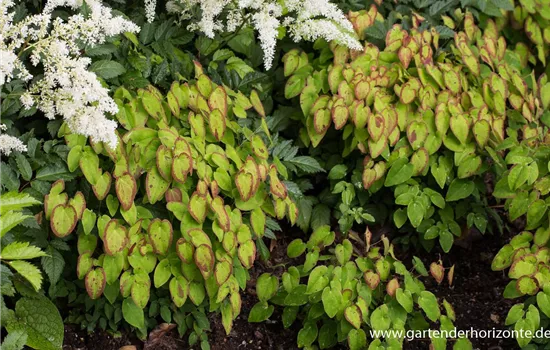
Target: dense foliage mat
(155, 155)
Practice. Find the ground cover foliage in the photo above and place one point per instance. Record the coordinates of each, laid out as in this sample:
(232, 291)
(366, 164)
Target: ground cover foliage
(154, 153)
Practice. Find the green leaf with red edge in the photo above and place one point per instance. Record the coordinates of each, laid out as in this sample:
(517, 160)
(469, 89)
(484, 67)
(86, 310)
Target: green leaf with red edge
(376, 126)
(460, 128)
(199, 237)
(405, 55)
(179, 290)
(217, 124)
(152, 104)
(54, 198)
(95, 282)
(155, 185)
(204, 259)
(102, 186)
(164, 162)
(371, 278)
(229, 243)
(322, 120)
(182, 166)
(245, 185)
(173, 102)
(452, 81)
(417, 132)
(126, 282)
(420, 160)
(339, 116)
(126, 189)
(469, 166)
(84, 264)
(218, 100)
(276, 187)
(258, 147)
(223, 271)
(368, 178)
(78, 202)
(185, 250)
(221, 214)
(141, 289)
(482, 131)
(115, 237)
(527, 285)
(247, 253)
(407, 93)
(204, 85)
(160, 234)
(353, 316)
(197, 124)
(257, 103)
(63, 220)
(198, 207)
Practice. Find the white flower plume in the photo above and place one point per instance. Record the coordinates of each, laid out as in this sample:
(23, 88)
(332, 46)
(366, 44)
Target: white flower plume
(303, 19)
(66, 88)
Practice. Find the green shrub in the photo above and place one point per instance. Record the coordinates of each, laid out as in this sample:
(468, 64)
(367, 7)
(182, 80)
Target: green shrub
(22, 288)
(426, 121)
(184, 157)
(524, 187)
(346, 289)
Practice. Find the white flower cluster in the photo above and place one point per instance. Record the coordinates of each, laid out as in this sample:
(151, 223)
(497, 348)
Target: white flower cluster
(10, 143)
(66, 87)
(304, 20)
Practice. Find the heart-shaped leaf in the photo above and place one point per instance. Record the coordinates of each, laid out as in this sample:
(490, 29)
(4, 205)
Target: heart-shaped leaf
(102, 186)
(160, 235)
(198, 207)
(63, 221)
(141, 290)
(179, 289)
(95, 282)
(221, 214)
(217, 124)
(223, 271)
(78, 202)
(114, 237)
(245, 185)
(460, 127)
(258, 147)
(218, 100)
(164, 162)
(181, 167)
(339, 116)
(247, 253)
(185, 250)
(155, 185)
(126, 189)
(353, 316)
(204, 258)
(417, 132)
(84, 264)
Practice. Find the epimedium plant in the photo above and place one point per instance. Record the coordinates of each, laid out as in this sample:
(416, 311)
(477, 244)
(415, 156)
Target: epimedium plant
(349, 292)
(524, 189)
(424, 119)
(188, 152)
